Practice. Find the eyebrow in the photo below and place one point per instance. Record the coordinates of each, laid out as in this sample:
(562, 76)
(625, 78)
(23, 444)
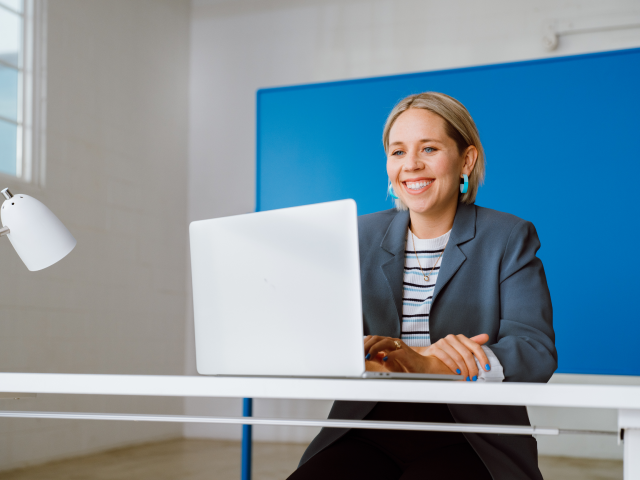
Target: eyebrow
(422, 140)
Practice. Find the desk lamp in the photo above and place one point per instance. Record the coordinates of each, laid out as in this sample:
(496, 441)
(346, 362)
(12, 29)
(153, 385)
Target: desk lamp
(39, 237)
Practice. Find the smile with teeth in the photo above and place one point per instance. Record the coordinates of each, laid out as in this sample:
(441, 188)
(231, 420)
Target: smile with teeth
(418, 185)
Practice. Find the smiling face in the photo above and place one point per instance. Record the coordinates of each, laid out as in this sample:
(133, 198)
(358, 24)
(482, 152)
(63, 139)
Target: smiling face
(424, 164)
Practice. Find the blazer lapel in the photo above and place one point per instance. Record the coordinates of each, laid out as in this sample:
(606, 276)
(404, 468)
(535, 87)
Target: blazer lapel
(463, 230)
(392, 263)
(393, 269)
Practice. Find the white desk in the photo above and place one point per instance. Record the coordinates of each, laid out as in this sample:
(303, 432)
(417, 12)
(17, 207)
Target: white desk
(626, 399)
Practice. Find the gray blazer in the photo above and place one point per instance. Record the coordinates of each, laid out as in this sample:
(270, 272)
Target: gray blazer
(490, 282)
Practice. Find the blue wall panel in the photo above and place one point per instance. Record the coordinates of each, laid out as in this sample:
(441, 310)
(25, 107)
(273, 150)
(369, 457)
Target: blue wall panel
(561, 142)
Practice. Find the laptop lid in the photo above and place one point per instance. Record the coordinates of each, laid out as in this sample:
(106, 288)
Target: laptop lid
(278, 292)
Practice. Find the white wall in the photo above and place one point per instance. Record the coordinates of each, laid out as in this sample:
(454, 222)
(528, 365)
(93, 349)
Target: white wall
(116, 175)
(239, 46)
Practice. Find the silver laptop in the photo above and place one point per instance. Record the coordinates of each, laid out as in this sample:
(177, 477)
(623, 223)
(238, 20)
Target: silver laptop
(277, 293)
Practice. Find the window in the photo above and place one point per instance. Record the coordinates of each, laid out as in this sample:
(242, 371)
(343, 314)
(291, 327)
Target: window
(21, 78)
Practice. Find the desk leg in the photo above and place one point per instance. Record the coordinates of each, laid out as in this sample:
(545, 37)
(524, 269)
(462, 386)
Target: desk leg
(247, 411)
(629, 422)
(632, 454)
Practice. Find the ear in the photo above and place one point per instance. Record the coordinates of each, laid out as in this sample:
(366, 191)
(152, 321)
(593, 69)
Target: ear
(470, 157)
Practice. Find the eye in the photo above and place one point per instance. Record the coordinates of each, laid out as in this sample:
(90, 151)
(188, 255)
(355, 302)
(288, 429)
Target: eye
(429, 149)
(397, 153)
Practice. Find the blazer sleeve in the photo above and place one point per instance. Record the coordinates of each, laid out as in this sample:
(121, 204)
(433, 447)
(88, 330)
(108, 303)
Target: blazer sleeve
(526, 340)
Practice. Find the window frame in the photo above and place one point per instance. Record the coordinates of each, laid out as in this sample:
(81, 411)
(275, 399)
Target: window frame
(31, 115)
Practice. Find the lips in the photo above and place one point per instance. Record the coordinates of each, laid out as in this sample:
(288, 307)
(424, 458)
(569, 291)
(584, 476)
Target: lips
(418, 185)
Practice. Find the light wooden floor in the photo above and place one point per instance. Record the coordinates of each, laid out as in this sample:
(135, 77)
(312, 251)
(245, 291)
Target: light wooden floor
(220, 460)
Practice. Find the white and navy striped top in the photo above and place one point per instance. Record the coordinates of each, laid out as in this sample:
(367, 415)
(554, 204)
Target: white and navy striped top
(417, 293)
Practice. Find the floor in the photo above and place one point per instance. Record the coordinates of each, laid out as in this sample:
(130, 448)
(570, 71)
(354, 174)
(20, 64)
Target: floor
(220, 460)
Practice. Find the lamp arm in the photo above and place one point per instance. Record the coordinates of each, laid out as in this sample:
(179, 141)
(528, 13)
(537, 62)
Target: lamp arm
(4, 231)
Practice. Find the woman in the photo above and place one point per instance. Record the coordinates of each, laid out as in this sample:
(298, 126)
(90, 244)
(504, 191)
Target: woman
(447, 287)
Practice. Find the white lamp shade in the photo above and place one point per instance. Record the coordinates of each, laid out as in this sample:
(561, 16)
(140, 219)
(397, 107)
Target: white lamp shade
(39, 237)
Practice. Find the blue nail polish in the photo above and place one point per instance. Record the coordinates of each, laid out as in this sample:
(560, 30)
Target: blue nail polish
(475, 377)
(368, 356)
(468, 379)
(385, 359)
(458, 371)
(488, 367)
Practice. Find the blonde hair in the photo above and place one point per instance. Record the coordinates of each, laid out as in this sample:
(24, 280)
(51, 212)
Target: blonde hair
(458, 125)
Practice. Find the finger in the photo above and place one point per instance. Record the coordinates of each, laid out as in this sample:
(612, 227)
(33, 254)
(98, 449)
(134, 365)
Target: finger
(459, 365)
(477, 350)
(364, 343)
(406, 359)
(464, 351)
(385, 344)
(366, 339)
(448, 361)
(401, 352)
(467, 354)
(369, 342)
(378, 358)
(480, 339)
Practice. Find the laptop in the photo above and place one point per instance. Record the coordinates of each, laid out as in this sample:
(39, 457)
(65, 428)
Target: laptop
(277, 293)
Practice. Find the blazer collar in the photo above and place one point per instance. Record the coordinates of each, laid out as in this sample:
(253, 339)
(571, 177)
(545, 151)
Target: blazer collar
(392, 263)
(463, 230)
(396, 235)
(464, 224)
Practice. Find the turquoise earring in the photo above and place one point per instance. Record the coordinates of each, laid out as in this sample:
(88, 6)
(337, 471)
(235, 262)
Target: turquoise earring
(391, 192)
(464, 183)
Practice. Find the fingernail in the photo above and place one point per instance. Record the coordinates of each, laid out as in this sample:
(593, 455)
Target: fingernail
(368, 356)
(468, 379)
(385, 359)
(488, 367)
(458, 371)
(475, 377)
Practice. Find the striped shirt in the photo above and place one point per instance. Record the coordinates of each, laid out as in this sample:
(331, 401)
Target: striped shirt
(417, 292)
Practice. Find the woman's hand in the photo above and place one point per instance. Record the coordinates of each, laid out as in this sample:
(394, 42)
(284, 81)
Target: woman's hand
(382, 355)
(370, 366)
(452, 354)
(457, 352)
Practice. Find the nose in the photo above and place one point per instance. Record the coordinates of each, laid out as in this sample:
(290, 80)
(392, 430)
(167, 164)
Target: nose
(412, 162)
